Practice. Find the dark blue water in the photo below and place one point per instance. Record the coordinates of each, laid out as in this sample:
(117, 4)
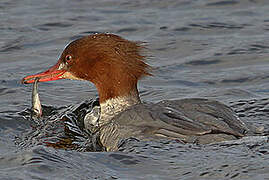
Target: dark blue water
(200, 48)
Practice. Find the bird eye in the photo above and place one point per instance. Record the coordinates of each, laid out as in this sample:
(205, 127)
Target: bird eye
(68, 58)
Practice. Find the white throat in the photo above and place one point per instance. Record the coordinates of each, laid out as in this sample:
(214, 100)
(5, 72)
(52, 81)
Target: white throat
(114, 106)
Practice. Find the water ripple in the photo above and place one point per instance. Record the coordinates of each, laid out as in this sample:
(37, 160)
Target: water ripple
(223, 3)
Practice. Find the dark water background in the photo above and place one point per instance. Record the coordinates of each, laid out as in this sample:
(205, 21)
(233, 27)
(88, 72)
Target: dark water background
(201, 48)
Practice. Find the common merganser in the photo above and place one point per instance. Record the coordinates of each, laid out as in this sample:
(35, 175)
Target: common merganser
(114, 65)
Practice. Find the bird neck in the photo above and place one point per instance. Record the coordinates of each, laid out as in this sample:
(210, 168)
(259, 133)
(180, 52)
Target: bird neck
(113, 106)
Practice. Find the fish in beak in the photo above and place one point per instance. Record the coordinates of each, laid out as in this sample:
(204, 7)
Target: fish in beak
(36, 105)
(53, 73)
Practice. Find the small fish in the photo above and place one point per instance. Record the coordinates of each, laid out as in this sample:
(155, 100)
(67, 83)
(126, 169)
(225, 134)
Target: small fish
(36, 105)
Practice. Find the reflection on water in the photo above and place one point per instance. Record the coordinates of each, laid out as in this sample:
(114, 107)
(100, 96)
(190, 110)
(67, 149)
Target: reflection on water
(214, 49)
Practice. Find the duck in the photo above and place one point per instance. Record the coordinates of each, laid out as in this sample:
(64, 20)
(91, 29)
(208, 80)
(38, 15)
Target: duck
(115, 65)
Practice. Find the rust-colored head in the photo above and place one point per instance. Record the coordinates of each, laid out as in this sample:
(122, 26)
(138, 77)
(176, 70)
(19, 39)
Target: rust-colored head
(112, 63)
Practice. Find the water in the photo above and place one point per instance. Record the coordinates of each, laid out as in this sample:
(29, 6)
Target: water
(200, 48)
